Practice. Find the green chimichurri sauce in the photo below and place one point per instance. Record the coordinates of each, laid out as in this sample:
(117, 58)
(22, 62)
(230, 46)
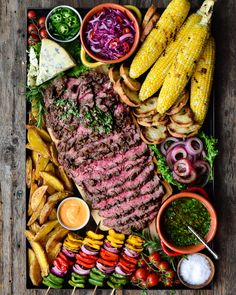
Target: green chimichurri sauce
(181, 213)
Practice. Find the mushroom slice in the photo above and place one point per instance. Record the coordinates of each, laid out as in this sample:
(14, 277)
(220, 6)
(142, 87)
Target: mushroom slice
(184, 117)
(114, 75)
(132, 84)
(126, 95)
(146, 108)
(179, 104)
(179, 131)
(154, 134)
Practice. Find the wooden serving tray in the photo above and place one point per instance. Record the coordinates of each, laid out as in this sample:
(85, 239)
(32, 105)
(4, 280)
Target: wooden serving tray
(208, 128)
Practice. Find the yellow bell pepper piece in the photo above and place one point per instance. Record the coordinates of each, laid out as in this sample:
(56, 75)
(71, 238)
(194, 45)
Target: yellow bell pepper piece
(94, 236)
(115, 235)
(96, 242)
(116, 241)
(133, 248)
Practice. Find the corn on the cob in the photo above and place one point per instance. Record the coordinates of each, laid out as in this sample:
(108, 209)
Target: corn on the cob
(184, 64)
(164, 31)
(201, 82)
(157, 74)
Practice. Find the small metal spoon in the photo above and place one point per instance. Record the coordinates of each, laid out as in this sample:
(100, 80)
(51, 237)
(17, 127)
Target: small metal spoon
(203, 242)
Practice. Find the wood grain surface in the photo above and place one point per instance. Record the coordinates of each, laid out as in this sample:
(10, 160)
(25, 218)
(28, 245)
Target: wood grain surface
(12, 140)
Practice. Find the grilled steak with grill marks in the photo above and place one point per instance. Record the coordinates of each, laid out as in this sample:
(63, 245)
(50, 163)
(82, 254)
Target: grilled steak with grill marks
(100, 148)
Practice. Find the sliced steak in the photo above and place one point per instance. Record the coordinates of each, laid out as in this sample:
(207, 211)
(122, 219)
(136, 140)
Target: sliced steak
(148, 187)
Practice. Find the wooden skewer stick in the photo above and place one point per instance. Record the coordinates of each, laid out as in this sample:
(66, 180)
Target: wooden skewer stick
(113, 291)
(48, 289)
(94, 290)
(73, 292)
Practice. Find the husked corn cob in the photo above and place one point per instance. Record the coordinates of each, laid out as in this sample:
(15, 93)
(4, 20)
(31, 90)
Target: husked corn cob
(158, 72)
(184, 64)
(164, 31)
(201, 82)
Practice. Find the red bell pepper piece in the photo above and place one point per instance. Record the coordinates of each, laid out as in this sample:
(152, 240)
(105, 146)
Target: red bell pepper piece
(168, 251)
(107, 263)
(85, 259)
(106, 255)
(61, 267)
(129, 259)
(126, 263)
(92, 257)
(87, 265)
(63, 256)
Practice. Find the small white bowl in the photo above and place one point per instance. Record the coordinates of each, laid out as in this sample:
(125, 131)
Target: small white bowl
(85, 206)
(47, 18)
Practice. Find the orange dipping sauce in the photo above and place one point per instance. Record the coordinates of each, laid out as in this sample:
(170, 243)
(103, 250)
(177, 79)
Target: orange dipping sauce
(73, 213)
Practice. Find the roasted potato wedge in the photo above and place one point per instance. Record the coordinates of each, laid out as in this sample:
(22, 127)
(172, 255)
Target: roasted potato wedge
(55, 238)
(59, 196)
(34, 156)
(179, 104)
(52, 254)
(132, 84)
(150, 25)
(147, 108)
(34, 268)
(68, 184)
(53, 214)
(50, 168)
(39, 252)
(50, 189)
(33, 188)
(52, 180)
(154, 135)
(182, 131)
(40, 166)
(36, 214)
(38, 196)
(114, 75)
(46, 211)
(42, 133)
(126, 95)
(184, 117)
(29, 169)
(54, 154)
(45, 229)
(37, 144)
(148, 15)
(34, 227)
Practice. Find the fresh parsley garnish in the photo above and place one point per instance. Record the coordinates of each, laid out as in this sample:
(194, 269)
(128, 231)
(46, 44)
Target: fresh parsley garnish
(70, 109)
(98, 120)
(164, 169)
(211, 151)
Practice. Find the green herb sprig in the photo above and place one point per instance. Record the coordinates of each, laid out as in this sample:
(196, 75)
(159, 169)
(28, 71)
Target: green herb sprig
(164, 169)
(99, 121)
(210, 143)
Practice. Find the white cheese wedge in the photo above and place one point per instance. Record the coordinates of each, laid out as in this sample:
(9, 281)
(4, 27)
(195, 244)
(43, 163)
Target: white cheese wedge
(53, 60)
(33, 68)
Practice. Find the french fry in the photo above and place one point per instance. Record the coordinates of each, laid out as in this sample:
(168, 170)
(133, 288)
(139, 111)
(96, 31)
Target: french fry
(37, 144)
(54, 154)
(50, 168)
(52, 180)
(53, 214)
(41, 164)
(45, 229)
(34, 268)
(66, 180)
(55, 238)
(39, 252)
(34, 227)
(45, 212)
(36, 214)
(52, 254)
(59, 196)
(37, 196)
(29, 168)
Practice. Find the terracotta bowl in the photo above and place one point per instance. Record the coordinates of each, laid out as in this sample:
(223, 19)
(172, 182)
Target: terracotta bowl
(193, 248)
(94, 11)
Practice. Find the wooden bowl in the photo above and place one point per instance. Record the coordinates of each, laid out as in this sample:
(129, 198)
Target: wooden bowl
(193, 248)
(94, 11)
(212, 266)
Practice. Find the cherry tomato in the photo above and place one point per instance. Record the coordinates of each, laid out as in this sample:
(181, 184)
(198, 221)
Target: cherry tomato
(141, 273)
(152, 279)
(133, 279)
(144, 285)
(32, 29)
(163, 266)
(170, 274)
(31, 14)
(41, 21)
(33, 39)
(43, 33)
(168, 283)
(142, 263)
(154, 258)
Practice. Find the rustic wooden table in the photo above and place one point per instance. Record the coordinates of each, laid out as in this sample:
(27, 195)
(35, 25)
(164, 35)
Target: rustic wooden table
(12, 141)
